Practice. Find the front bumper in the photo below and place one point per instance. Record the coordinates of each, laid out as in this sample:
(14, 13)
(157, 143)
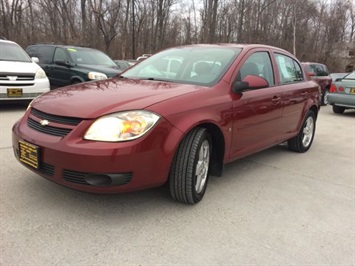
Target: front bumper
(29, 91)
(101, 167)
(342, 99)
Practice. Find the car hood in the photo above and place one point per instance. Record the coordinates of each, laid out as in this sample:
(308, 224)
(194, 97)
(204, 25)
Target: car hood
(18, 67)
(108, 71)
(93, 99)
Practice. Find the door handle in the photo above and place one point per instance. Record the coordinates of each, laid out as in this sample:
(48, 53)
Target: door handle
(276, 99)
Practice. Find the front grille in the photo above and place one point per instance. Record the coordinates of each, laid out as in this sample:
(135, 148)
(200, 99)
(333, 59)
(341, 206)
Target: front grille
(57, 130)
(16, 84)
(25, 78)
(16, 76)
(79, 178)
(56, 118)
(54, 131)
(74, 177)
(46, 169)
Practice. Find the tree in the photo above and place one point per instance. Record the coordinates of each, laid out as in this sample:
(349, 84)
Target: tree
(312, 28)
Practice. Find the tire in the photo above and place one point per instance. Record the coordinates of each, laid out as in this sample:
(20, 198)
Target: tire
(303, 141)
(190, 168)
(325, 95)
(338, 109)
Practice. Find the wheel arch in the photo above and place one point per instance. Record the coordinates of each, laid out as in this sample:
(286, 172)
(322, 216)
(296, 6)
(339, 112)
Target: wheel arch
(218, 147)
(76, 79)
(314, 109)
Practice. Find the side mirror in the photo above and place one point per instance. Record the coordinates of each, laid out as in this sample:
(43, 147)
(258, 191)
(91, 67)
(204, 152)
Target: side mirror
(311, 74)
(35, 59)
(250, 82)
(62, 63)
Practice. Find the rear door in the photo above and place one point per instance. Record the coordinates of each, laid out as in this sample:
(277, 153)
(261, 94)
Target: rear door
(295, 92)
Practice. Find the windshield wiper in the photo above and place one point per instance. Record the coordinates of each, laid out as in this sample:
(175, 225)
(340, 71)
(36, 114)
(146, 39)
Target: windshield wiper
(150, 78)
(155, 79)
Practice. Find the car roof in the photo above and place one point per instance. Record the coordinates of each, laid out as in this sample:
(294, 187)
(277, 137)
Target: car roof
(247, 47)
(312, 63)
(62, 46)
(7, 41)
(234, 45)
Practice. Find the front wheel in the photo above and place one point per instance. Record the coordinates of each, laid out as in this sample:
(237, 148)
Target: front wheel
(303, 141)
(189, 171)
(75, 82)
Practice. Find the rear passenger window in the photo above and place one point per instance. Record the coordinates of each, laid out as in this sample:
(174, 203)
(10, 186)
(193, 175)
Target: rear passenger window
(289, 70)
(43, 53)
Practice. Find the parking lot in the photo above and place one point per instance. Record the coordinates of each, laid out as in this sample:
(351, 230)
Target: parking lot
(273, 208)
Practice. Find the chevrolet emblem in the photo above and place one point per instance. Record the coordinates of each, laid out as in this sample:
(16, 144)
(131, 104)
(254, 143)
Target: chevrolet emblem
(44, 122)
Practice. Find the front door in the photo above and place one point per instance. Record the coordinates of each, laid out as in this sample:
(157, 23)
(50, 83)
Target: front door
(256, 113)
(61, 74)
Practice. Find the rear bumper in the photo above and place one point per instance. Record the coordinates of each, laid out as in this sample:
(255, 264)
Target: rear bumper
(342, 99)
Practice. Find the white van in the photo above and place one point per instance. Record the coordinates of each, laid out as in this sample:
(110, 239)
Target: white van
(20, 76)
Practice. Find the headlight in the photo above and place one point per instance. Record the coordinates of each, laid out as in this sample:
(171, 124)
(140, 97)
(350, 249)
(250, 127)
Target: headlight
(96, 75)
(121, 126)
(30, 104)
(40, 74)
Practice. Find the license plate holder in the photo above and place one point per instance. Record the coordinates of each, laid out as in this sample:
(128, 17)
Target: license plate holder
(14, 92)
(352, 90)
(29, 154)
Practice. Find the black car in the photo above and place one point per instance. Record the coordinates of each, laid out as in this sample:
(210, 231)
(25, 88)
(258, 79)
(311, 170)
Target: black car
(122, 64)
(65, 65)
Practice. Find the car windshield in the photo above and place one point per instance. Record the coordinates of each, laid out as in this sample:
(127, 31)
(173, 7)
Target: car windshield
(90, 57)
(190, 65)
(13, 52)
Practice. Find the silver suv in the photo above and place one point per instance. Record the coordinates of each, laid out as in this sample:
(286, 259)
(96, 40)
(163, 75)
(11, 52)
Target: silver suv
(20, 76)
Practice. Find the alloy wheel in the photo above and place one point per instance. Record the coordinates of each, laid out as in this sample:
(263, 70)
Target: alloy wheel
(202, 166)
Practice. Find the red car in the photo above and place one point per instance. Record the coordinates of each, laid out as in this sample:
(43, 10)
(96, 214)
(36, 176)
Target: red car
(154, 124)
(320, 74)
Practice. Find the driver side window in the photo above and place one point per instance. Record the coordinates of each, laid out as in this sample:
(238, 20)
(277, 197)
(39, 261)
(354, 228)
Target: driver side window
(60, 55)
(258, 64)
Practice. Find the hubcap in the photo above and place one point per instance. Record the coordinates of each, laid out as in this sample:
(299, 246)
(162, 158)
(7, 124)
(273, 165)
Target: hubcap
(202, 166)
(325, 100)
(308, 132)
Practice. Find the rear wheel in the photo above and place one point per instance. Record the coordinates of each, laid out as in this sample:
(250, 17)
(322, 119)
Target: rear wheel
(338, 109)
(189, 172)
(303, 141)
(325, 97)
